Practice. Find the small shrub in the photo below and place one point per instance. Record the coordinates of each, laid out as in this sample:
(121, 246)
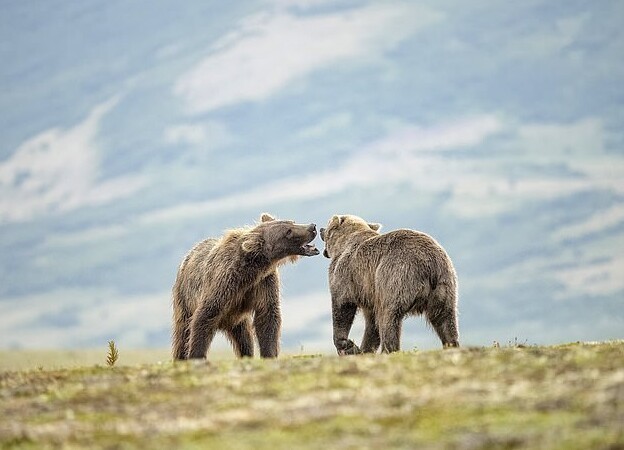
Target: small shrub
(515, 343)
(113, 354)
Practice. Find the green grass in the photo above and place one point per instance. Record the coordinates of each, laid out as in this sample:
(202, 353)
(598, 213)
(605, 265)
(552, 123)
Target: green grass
(62, 359)
(563, 397)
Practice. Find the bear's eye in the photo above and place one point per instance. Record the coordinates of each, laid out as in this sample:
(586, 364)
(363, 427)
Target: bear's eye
(289, 233)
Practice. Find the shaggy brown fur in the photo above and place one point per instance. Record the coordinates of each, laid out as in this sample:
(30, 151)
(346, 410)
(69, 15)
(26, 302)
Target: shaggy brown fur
(231, 284)
(387, 276)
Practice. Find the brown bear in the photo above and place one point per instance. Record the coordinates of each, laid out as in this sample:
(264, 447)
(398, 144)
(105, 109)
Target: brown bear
(387, 276)
(231, 284)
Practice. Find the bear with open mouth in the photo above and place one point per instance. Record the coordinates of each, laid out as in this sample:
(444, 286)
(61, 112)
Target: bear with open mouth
(231, 284)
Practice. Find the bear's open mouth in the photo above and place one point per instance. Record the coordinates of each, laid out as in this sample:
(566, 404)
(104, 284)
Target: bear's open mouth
(309, 250)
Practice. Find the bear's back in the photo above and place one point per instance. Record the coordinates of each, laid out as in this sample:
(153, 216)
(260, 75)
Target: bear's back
(406, 248)
(406, 258)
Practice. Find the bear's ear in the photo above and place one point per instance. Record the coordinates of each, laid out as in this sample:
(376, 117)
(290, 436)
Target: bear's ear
(375, 226)
(336, 220)
(252, 243)
(266, 217)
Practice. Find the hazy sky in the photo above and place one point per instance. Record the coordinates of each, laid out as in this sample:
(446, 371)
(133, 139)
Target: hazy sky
(131, 130)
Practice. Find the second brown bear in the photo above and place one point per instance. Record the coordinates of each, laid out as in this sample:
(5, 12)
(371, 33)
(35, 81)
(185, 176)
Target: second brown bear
(388, 276)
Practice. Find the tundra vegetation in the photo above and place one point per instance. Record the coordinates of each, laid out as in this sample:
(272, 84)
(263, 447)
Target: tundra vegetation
(505, 396)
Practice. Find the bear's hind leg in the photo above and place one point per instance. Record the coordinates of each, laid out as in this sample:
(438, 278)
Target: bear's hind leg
(390, 330)
(180, 341)
(241, 337)
(202, 330)
(180, 336)
(444, 322)
(182, 316)
(371, 339)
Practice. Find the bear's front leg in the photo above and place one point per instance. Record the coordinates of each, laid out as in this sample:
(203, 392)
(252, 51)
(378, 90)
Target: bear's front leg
(347, 347)
(268, 317)
(342, 318)
(203, 328)
(268, 324)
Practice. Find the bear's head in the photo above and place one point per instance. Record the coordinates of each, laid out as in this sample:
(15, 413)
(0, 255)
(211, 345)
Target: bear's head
(343, 229)
(279, 239)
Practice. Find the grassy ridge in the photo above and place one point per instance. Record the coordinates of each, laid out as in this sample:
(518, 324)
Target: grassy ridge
(565, 397)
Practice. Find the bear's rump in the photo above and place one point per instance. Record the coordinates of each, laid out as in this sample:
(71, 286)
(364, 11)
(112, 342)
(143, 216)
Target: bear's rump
(406, 283)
